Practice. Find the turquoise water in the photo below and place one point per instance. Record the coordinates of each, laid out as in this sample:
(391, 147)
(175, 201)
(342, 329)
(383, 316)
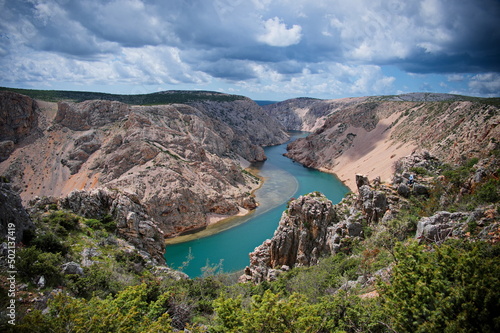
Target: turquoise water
(236, 238)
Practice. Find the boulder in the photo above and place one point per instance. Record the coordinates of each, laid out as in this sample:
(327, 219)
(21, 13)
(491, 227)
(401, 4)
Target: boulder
(440, 226)
(403, 190)
(72, 268)
(362, 180)
(420, 189)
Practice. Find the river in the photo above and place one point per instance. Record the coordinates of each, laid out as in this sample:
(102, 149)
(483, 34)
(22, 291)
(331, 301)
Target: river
(229, 242)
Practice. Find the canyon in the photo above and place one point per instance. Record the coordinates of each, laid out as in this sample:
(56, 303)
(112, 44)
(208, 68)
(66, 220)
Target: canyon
(91, 189)
(164, 170)
(158, 170)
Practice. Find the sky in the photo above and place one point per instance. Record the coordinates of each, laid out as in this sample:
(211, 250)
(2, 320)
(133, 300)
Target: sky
(263, 49)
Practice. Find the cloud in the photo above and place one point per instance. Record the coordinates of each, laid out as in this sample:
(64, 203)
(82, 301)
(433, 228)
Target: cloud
(277, 34)
(321, 46)
(487, 84)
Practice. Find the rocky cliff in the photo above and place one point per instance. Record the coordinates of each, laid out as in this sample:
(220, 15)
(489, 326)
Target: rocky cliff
(312, 227)
(368, 136)
(14, 219)
(18, 119)
(174, 166)
(307, 114)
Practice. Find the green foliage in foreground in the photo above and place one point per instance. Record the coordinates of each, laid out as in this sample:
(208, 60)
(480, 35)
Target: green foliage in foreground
(450, 288)
(129, 311)
(453, 287)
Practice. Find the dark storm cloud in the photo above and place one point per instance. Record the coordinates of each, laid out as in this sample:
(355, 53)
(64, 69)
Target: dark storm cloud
(238, 40)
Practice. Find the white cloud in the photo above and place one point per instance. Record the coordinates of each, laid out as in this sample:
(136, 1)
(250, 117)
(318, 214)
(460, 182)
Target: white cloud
(328, 47)
(487, 84)
(455, 77)
(277, 34)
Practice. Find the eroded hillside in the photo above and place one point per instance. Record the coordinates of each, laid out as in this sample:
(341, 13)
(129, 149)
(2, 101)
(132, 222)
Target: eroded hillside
(369, 136)
(177, 166)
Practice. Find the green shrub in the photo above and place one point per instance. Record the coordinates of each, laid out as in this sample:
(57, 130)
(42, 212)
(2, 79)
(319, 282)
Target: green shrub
(49, 242)
(32, 263)
(98, 280)
(452, 288)
(106, 223)
(419, 171)
(68, 221)
(488, 192)
(128, 311)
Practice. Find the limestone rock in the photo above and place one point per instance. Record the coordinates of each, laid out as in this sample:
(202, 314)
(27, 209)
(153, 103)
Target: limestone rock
(440, 226)
(88, 114)
(6, 148)
(132, 221)
(373, 203)
(18, 116)
(72, 268)
(404, 190)
(14, 219)
(300, 240)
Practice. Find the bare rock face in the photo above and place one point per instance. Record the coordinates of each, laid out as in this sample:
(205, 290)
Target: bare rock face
(247, 119)
(301, 238)
(440, 226)
(6, 148)
(307, 114)
(88, 114)
(18, 118)
(132, 221)
(14, 220)
(373, 203)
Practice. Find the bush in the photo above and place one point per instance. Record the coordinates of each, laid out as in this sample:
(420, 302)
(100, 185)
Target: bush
(49, 242)
(68, 221)
(451, 288)
(97, 281)
(489, 191)
(128, 311)
(106, 223)
(32, 263)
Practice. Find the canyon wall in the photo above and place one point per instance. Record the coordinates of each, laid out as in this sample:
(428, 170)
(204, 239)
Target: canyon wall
(369, 136)
(173, 166)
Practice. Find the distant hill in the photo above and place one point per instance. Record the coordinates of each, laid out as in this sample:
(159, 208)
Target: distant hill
(158, 98)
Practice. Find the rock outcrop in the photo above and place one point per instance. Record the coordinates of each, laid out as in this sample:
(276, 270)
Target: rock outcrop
(14, 219)
(311, 228)
(18, 119)
(132, 221)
